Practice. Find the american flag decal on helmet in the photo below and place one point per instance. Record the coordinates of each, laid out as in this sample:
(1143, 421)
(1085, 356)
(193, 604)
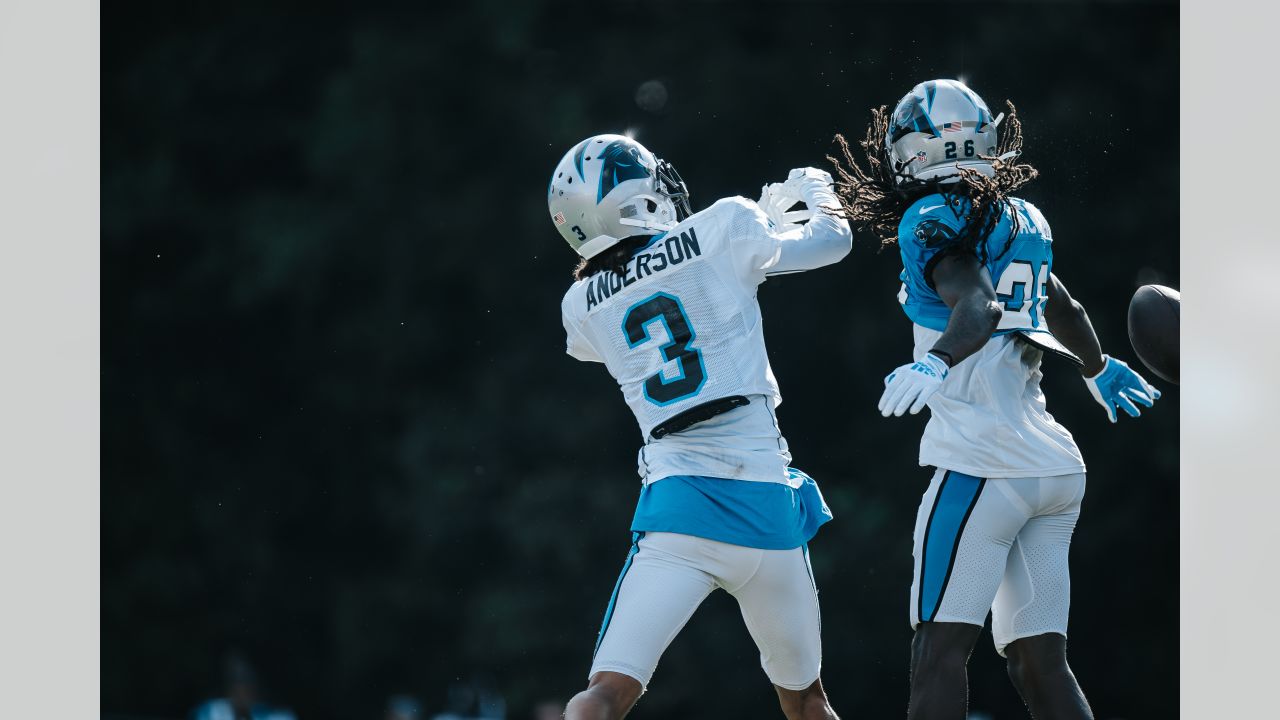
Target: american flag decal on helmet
(559, 218)
(953, 126)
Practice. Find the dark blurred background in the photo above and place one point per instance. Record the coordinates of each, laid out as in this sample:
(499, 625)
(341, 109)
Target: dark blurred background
(342, 441)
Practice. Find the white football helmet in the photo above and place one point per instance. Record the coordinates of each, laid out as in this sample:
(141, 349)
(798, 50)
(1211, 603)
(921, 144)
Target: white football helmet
(609, 187)
(938, 128)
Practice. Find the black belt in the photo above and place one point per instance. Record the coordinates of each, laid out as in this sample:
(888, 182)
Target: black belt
(697, 414)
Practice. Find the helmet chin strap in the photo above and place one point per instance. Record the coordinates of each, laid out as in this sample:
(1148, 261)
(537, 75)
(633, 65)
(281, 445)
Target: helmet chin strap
(647, 224)
(635, 215)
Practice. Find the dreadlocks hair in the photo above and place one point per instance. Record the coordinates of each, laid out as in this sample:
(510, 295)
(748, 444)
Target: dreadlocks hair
(874, 200)
(614, 259)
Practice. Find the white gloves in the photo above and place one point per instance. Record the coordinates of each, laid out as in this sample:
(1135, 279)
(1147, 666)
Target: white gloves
(808, 185)
(809, 173)
(911, 386)
(814, 187)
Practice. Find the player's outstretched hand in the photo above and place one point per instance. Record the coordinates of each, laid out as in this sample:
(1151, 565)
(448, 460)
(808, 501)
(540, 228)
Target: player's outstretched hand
(804, 174)
(1118, 386)
(911, 386)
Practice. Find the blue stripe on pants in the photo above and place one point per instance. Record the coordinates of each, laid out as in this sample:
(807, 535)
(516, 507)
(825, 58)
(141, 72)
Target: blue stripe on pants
(613, 599)
(956, 497)
(808, 567)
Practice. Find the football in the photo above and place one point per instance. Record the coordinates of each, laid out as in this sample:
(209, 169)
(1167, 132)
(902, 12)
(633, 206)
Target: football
(1154, 316)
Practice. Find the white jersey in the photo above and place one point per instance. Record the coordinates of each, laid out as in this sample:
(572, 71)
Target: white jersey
(989, 418)
(680, 328)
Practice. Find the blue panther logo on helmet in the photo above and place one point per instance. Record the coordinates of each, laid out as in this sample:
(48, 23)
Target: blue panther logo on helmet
(621, 163)
(913, 114)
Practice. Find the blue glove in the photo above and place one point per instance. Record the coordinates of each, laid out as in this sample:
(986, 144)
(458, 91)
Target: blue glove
(1118, 386)
(911, 386)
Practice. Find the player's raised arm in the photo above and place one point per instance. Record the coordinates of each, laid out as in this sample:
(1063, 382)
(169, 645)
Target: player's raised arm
(826, 238)
(965, 286)
(1111, 382)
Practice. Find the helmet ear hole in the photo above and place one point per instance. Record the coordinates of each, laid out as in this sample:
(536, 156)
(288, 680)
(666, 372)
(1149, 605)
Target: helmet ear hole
(651, 205)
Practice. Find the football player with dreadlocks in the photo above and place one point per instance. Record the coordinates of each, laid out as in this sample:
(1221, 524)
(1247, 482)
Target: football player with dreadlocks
(666, 299)
(994, 527)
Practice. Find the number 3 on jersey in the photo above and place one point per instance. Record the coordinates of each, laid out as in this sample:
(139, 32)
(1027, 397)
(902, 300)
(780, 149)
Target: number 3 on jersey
(1023, 290)
(658, 389)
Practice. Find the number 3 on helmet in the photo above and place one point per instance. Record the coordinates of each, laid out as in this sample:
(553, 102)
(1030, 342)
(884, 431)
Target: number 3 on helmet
(610, 187)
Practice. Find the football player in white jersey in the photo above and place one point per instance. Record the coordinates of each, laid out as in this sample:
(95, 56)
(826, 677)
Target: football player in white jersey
(666, 300)
(994, 527)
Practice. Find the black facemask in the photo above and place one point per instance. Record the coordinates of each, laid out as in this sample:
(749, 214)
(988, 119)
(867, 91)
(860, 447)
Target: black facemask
(673, 187)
